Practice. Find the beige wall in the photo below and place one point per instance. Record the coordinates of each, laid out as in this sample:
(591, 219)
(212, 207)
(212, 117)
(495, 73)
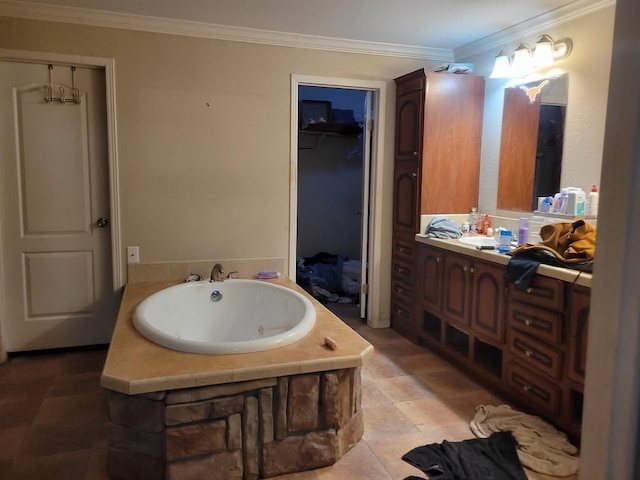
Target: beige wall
(588, 67)
(204, 132)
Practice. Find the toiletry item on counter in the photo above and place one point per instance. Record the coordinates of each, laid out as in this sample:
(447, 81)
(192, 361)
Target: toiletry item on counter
(465, 227)
(523, 231)
(486, 224)
(592, 201)
(265, 275)
(504, 241)
(575, 203)
(473, 216)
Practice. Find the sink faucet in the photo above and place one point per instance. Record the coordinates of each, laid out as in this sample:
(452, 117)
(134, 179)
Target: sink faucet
(216, 273)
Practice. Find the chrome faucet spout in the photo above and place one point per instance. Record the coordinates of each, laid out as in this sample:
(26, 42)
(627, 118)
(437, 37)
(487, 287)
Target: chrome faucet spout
(216, 273)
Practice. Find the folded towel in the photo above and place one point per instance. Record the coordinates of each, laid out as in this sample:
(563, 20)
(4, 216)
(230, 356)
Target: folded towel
(442, 227)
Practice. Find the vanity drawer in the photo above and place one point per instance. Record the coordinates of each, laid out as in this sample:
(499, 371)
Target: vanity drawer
(544, 292)
(404, 250)
(403, 271)
(542, 324)
(539, 356)
(402, 291)
(531, 388)
(402, 318)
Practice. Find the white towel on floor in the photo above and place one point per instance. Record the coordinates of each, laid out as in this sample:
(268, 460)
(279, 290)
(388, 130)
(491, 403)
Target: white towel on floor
(541, 447)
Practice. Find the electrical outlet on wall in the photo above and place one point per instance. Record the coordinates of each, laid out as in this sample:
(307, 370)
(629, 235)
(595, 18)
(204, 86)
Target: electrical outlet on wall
(133, 254)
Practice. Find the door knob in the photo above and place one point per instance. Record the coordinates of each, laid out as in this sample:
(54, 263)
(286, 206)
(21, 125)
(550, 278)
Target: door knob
(102, 222)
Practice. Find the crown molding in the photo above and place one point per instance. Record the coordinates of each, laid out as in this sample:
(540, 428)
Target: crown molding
(101, 18)
(532, 27)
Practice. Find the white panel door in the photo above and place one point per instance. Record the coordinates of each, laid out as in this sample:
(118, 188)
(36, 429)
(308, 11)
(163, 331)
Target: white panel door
(54, 206)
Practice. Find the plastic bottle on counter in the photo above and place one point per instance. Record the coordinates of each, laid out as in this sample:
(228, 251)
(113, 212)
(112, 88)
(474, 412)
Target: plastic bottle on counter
(473, 220)
(523, 231)
(504, 245)
(486, 224)
(592, 201)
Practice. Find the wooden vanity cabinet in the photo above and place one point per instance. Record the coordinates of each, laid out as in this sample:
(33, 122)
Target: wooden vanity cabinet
(579, 307)
(529, 345)
(436, 168)
(403, 286)
(461, 310)
(474, 295)
(537, 333)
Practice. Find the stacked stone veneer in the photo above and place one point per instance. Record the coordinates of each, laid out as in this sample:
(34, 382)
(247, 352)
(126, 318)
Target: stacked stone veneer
(245, 430)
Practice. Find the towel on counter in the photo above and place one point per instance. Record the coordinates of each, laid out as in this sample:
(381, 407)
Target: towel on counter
(442, 227)
(571, 243)
(540, 446)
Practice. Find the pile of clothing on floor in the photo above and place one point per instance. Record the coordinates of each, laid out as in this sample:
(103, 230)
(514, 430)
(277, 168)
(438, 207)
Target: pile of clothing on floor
(329, 277)
(507, 440)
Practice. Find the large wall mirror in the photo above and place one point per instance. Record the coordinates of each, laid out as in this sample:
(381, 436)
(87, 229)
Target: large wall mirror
(531, 143)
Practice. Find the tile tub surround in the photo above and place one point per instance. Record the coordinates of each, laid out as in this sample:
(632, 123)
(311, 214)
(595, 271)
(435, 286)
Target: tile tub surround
(312, 392)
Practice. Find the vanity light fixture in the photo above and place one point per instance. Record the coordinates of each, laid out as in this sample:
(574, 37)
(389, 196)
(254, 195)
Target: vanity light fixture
(501, 66)
(547, 51)
(524, 60)
(521, 64)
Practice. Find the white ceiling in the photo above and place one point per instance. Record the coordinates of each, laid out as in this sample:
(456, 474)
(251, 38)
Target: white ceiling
(438, 24)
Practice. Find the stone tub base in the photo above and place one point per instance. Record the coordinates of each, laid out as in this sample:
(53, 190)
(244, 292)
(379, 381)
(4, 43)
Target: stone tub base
(244, 430)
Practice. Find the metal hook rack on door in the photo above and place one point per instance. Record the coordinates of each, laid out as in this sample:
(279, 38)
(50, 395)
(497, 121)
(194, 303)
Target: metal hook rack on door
(62, 98)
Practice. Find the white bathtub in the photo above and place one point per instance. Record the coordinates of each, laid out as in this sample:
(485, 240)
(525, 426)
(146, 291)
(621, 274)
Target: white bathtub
(250, 316)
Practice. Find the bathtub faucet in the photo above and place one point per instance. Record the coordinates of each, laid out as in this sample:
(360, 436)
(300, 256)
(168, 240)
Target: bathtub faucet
(216, 273)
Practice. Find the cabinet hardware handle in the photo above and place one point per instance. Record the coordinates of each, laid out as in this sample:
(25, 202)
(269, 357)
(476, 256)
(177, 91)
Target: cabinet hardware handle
(472, 270)
(414, 175)
(528, 322)
(465, 268)
(400, 269)
(526, 388)
(529, 290)
(528, 353)
(437, 259)
(415, 154)
(401, 249)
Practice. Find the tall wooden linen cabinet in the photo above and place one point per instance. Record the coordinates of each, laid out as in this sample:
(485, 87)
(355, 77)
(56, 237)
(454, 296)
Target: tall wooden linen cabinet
(436, 168)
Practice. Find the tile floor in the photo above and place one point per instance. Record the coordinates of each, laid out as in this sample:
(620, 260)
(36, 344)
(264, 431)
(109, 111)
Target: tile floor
(54, 425)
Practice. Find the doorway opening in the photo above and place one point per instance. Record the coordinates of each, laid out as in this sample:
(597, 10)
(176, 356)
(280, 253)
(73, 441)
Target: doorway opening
(335, 142)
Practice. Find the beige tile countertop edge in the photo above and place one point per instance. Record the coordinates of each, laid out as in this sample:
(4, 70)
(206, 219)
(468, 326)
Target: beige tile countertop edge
(136, 365)
(565, 274)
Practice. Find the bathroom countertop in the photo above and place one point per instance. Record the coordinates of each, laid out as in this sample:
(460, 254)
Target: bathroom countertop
(136, 365)
(564, 274)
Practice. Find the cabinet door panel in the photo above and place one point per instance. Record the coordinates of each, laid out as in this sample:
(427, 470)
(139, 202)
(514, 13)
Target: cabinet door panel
(409, 114)
(430, 264)
(488, 300)
(579, 325)
(457, 289)
(406, 199)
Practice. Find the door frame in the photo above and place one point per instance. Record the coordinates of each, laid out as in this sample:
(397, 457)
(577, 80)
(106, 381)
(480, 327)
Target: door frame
(376, 180)
(108, 64)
